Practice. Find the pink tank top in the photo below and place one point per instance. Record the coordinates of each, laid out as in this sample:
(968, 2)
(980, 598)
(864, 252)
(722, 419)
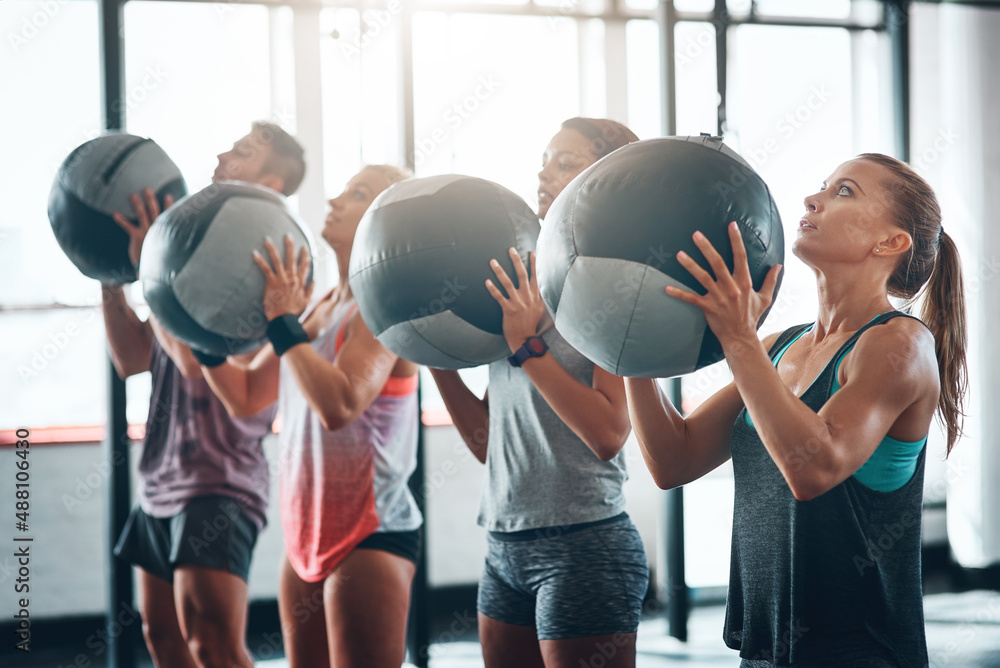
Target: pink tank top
(338, 487)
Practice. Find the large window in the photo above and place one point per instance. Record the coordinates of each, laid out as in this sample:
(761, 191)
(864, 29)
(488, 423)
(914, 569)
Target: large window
(799, 101)
(52, 105)
(488, 91)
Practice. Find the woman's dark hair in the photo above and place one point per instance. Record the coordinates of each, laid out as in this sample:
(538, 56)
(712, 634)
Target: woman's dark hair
(932, 268)
(604, 134)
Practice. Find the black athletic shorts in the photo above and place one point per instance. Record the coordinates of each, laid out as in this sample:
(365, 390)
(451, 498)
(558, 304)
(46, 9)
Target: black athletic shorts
(404, 544)
(211, 531)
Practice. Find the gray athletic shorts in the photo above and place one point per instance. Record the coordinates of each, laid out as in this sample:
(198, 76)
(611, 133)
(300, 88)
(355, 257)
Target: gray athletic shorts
(573, 581)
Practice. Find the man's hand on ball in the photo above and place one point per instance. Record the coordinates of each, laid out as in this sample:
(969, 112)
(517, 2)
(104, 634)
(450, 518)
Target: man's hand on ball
(286, 284)
(523, 307)
(146, 210)
(732, 307)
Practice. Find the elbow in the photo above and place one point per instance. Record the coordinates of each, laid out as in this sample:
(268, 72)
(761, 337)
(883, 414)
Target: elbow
(190, 372)
(121, 368)
(607, 443)
(237, 411)
(605, 452)
(605, 449)
(240, 409)
(126, 368)
(808, 487)
(661, 480)
(334, 418)
(804, 493)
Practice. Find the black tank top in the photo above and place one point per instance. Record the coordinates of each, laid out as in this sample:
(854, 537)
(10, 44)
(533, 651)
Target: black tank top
(834, 581)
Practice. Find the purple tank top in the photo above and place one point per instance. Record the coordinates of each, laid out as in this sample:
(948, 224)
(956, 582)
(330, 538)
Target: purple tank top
(193, 447)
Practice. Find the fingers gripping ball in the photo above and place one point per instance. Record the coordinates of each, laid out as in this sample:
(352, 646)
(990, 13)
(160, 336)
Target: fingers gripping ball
(197, 269)
(420, 261)
(608, 249)
(94, 182)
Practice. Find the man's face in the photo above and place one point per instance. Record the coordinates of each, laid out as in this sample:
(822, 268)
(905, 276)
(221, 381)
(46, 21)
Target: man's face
(245, 161)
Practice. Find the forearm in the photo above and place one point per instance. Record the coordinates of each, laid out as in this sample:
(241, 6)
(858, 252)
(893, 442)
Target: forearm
(586, 411)
(246, 388)
(230, 384)
(470, 414)
(798, 439)
(326, 388)
(130, 339)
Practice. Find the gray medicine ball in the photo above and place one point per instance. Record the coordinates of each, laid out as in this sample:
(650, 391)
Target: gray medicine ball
(95, 181)
(420, 260)
(197, 269)
(608, 249)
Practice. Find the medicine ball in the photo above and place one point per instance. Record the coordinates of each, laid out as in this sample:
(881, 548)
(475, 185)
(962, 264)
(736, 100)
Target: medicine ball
(608, 249)
(95, 181)
(419, 264)
(197, 269)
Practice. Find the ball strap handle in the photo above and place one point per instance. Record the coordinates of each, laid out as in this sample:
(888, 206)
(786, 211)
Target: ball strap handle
(284, 332)
(208, 359)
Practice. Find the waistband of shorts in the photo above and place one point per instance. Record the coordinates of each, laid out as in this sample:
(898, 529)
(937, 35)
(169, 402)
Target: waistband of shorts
(557, 531)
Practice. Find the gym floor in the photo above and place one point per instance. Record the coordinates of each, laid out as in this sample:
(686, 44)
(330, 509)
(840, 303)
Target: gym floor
(963, 631)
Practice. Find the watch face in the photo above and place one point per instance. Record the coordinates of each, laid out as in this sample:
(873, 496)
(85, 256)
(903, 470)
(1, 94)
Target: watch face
(536, 345)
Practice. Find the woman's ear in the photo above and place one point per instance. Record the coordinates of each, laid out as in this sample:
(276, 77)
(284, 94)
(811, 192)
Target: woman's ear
(897, 244)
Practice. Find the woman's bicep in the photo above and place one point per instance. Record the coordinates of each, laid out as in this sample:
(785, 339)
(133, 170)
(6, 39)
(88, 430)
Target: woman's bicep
(709, 429)
(890, 384)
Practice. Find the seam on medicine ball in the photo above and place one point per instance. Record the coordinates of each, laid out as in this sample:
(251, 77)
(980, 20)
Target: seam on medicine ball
(631, 316)
(389, 259)
(760, 259)
(435, 347)
(112, 168)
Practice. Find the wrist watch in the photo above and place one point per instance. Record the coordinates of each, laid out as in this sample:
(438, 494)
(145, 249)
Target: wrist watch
(534, 346)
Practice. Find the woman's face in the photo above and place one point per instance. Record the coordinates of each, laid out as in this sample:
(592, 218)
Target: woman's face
(847, 218)
(347, 208)
(568, 153)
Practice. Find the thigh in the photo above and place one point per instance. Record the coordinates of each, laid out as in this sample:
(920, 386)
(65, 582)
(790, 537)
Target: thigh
(164, 638)
(509, 644)
(367, 598)
(615, 650)
(303, 620)
(156, 597)
(211, 601)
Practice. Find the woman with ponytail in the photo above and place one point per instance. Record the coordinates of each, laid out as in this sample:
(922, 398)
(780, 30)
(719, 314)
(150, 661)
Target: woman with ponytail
(827, 423)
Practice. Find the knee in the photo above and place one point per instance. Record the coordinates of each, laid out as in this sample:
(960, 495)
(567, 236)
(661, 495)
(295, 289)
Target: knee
(158, 636)
(213, 646)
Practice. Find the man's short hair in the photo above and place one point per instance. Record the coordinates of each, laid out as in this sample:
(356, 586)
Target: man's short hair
(286, 159)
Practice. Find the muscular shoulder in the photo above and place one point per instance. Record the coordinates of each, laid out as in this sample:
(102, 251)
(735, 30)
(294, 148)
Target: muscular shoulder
(898, 354)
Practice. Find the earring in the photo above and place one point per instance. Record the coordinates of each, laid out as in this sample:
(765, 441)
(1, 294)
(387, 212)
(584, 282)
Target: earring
(878, 250)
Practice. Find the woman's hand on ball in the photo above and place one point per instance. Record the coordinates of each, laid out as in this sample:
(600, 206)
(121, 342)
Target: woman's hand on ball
(523, 307)
(286, 284)
(731, 306)
(146, 210)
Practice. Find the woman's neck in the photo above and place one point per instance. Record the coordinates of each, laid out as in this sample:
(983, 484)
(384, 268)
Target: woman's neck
(847, 304)
(343, 289)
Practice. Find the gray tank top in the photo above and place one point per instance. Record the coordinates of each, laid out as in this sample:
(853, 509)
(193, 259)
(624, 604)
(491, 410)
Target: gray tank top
(834, 581)
(538, 472)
